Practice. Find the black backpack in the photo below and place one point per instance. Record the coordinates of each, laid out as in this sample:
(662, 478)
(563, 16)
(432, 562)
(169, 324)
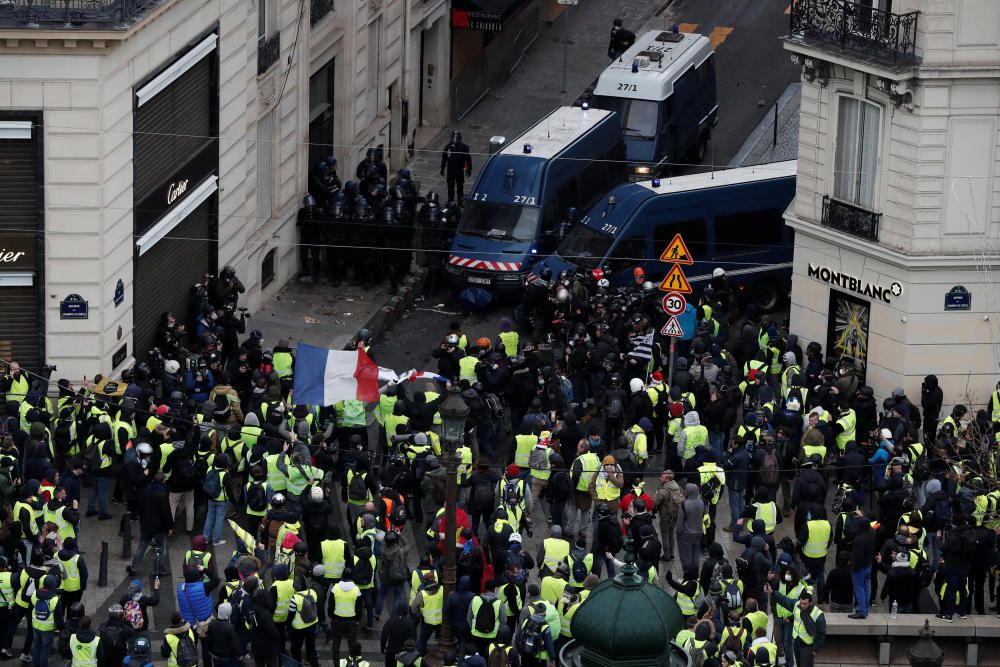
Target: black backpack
(257, 497)
(482, 498)
(512, 492)
(529, 640)
(307, 613)
(212, 486)
(579, 569)
(113, 641)
(357, 489)
(184, 472)
(362, 572)
(186, 653)
(398, 515)
(486, 619)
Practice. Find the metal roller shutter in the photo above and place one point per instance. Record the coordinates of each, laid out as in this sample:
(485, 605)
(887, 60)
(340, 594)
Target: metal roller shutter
(19, 185)
(172, 127)
(165, 274)
(20, 335)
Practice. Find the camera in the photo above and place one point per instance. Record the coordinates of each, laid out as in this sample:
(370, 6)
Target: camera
(49, 368)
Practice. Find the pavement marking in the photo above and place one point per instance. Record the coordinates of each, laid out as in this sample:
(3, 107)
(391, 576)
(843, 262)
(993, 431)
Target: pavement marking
(718, 35)
(687, 27)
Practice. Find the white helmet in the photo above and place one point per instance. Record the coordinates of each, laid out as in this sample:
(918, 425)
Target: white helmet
(277, 500)
(718, 272)
(634, 385)
(144, 449)
(603, 282)
(316, 495)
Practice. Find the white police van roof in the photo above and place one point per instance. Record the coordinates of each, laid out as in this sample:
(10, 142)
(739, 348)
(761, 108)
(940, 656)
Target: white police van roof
(718, 179)
(662, 56)
(556, 132)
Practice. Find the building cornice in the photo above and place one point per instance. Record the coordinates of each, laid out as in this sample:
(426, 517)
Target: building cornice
(43, 38)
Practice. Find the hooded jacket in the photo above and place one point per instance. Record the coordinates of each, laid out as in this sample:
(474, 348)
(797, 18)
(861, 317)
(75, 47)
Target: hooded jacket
(456, 607)
(397, 630)
(691, 511)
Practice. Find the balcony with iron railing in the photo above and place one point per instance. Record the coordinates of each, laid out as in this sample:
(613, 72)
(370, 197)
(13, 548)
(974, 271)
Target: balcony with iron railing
(854, 30)
(115, 15)
(850, 219)
(268, 52)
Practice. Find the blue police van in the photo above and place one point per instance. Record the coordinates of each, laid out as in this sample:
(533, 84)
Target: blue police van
(730, 220)
(514, 213)
(663, 89)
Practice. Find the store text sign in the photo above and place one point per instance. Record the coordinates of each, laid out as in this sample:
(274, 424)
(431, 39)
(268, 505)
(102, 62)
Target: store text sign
(852, 284)
(17, 253)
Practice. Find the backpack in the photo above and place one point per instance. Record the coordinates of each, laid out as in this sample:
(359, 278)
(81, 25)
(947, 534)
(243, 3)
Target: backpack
(733, 597)
(486, 619)
(362, 572)
(42, 611)
(494, 405)
(769, 468)
(512, 492)
(578, 569)
(357, 489)
(186, 654)
(529, 639)
(408, 659)
(257, 497)
(697, 655)
(709, 489)
(212, 486)
(113, 641)
(733, 639)
(184, 472)
(398, 515)
(92, 456)
(615, 408)
(482, 497)
(133, 615)
(498, 657)
(398, 572)
(539, 459)
(307, 612)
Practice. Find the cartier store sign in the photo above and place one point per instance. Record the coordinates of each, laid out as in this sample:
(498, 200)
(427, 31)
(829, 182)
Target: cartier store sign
(18, 252)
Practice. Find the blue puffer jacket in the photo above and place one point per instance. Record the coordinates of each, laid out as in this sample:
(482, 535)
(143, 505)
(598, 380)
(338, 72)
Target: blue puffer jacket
(193, 602)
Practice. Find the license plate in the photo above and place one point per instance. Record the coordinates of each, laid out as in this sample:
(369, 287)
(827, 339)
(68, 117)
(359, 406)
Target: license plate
(635, 178)
(480, 281)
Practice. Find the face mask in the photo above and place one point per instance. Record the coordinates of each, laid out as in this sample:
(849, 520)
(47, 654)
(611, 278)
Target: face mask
(788, 576)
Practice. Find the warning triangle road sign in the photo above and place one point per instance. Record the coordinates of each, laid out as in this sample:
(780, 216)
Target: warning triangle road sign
(677, 252)
(672, 328)
(676, 281)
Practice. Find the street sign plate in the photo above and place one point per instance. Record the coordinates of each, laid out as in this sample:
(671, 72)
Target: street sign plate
(677, 252)
(672, 328)
(676, 281)
(674, 303)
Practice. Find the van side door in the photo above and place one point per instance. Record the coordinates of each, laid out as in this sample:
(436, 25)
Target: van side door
(684, 121)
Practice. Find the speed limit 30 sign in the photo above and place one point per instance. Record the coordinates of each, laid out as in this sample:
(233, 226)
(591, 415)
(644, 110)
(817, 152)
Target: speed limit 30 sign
(674, 303)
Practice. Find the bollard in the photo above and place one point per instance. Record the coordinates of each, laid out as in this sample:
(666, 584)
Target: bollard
(127, 537)
(102, 576)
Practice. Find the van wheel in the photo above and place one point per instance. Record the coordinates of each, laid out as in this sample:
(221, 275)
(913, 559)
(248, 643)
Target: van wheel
(700, 150)
(766, 295)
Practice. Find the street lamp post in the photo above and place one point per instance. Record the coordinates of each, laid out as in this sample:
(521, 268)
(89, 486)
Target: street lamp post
(454, 412)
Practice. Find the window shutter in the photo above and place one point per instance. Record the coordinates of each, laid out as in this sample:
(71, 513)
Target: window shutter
(265, 167)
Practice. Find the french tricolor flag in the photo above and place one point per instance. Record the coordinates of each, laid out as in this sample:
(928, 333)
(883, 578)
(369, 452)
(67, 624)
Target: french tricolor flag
(323, 377)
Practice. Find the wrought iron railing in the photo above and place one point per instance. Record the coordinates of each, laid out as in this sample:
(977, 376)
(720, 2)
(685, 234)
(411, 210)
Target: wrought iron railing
(856, 27)
(268, 53)
(102, 14)
(318, 9)
(850, 219)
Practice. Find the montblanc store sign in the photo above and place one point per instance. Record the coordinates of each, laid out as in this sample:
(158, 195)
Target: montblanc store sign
(850, 283)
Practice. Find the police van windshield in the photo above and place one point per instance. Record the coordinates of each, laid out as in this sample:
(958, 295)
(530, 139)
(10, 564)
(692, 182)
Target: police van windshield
(639, 117)
(584, 246)
(503, 222)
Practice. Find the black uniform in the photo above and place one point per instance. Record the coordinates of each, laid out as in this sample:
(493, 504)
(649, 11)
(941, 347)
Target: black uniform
(309, 234)
(458, 163)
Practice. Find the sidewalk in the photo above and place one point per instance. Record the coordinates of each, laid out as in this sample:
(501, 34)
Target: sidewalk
(533, 89)
(760, 147)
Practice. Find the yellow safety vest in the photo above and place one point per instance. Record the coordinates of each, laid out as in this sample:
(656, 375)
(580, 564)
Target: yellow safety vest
(995, 406)
(300, 600)
(556, 551)
(345, 602)
(848, 423)
(43, 620)
(432, 606)
(788, 593)
(6, 590)
(71, 583)
(589, 466)
(510, 340)
(275, 479)
(333, 558)
(285, 590)
(477, 603)
(818, 542)
(19, 388)
(350, 413)
(32, 528)
(566, 613)
(552, 589)
(467, 368)
(799, 628)
(695, 436)
(768, 513)
(392, 423)
(687, 603)
(772, 651)
(636, 439)
(283, 364)
(707, 472)
(522, 449)
(606, 490)
(84, 653)
(58, 517)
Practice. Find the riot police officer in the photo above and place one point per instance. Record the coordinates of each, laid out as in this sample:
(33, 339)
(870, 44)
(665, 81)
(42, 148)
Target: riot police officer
(334, 237)
(309, 228)
(360, 233)
(435, 241)
(456, 161)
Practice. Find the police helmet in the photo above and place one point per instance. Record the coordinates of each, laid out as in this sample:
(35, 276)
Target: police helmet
(562, 295)
(404, 174)
(76, 610)
(603, 509)
(364, 335)
(330, 161)
(432, 198)
(545, 274)
(308, 201)
(351, 187)
(140, 647)
(300, 547)
(116, 611)
(391, 537)
(278, 500)
(370, 154)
